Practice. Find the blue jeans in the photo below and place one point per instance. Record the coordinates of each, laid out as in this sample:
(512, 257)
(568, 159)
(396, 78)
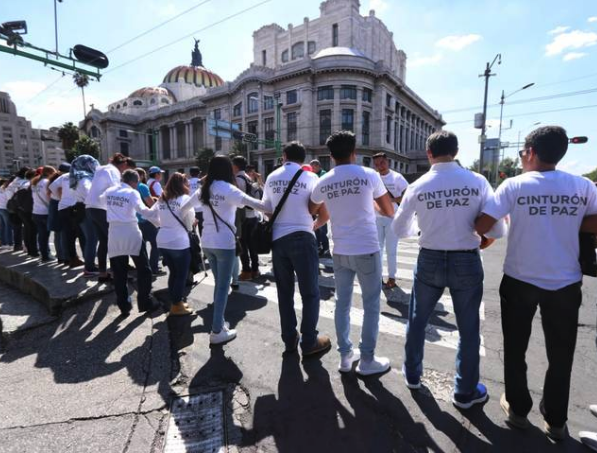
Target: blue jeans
(293, 254)
(90, 243)
(150, 234)
(43, 235)
(5, 228)
(222, 263)
(462, 273)
(368, 270)
(178, 263)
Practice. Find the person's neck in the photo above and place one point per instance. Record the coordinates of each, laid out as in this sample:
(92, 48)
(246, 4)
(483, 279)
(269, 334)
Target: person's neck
(343, 162)
(385, 172)
(541, 167)
(441, 160)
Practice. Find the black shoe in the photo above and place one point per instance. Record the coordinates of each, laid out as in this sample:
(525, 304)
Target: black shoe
(234, 286)
(293, 346)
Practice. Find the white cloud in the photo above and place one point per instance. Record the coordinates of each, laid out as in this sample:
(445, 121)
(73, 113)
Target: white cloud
(576, 167)
(419, 61)
(574, 56)
(558, 30)
(22, 90)
(592, 19)
(458, 42)
(165, 10)
(574, 39)
(379, 5)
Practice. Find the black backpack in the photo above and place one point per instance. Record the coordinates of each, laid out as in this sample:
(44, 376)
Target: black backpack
(24, 200)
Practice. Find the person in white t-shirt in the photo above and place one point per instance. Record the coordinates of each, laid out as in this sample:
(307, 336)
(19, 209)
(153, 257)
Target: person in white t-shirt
(541, 269)
(154, 181)
(5, 223)
(125, 240)
(195, 185)
(18, 183)
(220, 198)
(395, 185)
(173, 238)
(349, 192)
(41, 205)
(294, 250)
(54, 222)
(446, 201)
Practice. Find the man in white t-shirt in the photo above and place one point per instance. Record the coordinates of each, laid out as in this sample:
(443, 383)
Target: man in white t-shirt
(154, 182)
(349, 191)
(541, 269)
(446, 201)
(294, 250)
(195, 185)
(395, 185)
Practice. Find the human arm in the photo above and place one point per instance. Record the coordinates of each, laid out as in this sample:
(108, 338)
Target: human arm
(323, 216)
(496, 206)
(404, 224)
(384, 205)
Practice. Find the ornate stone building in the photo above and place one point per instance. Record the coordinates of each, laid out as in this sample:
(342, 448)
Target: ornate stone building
(339, 71)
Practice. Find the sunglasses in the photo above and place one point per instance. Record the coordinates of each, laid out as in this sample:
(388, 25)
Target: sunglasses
(521, 153)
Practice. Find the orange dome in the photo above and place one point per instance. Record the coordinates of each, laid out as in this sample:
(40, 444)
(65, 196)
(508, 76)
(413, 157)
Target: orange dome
(198, 76)
(150, 91)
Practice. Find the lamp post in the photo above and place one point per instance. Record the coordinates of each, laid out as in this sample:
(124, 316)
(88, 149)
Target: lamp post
(487, 74)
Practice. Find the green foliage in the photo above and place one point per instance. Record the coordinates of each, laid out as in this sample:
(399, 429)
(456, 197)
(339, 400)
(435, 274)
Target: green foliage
(203, 157)
(84, 145)
(69, 134)
(592, 175)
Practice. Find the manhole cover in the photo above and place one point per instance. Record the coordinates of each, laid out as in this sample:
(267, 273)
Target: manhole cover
(197, 424)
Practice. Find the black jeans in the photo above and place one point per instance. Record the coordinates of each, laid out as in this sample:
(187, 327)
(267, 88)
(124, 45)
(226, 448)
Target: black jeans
(559, 317)
(249, 251)
(29, 233)
(43, 235)
(70, 232)
(323, 243)
(296, 253)
(100, 222)
(119, 266)
(17, 230)
(199, 217)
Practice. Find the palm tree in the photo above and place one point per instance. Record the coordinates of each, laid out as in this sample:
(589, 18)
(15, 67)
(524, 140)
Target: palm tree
(81, 80)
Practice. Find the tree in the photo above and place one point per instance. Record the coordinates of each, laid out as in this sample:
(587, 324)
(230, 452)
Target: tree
(203, 157)
(239, 148)
(86, 145)
(69, 134)
(82, 80)
(592, 175)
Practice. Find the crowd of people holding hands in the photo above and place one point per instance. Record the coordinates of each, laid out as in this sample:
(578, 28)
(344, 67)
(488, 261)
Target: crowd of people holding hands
(115, 212)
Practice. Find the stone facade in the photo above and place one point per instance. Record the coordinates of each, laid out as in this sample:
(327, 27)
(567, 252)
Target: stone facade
(340, 71)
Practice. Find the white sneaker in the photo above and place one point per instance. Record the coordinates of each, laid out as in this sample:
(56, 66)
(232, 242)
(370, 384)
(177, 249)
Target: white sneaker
(410, 385)
(593, 409)
(224, 336)
(376, 365)
(347, 360)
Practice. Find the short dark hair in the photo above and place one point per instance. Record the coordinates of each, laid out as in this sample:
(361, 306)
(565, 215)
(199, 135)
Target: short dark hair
(549, 142)
(295, 152)
(380, 156)
(130, 176)
(443, 143)
(341, 144)
(130, 163)
(240, 162)
(195, 171)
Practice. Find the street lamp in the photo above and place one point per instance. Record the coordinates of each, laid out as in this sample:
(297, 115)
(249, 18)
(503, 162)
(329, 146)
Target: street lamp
(536, 123)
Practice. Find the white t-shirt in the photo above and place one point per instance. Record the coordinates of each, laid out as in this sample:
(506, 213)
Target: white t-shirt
(123, 202)
(67, 199)
(295, 215)
(225, 199)
(41, 200)
(155, 188)
(446, 200)
(53, 188)
(3, 197)
(395, 185)
(546, 210)
(104, 177)
(171, 234)
(195, 185)
(82, 190)
(348, 192)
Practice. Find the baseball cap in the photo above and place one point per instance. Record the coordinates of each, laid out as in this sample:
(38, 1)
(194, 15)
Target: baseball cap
(153, 170)
(64, 167)
(315, 162)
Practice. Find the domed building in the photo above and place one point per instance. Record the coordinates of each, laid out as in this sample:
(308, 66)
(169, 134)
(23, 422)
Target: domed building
(341, 70)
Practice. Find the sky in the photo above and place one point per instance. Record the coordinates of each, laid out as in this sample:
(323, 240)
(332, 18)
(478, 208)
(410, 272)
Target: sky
(550, 43)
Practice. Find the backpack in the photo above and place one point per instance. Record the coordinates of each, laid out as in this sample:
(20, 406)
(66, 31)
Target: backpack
(252, 190)
(24, 200)
(151, 191)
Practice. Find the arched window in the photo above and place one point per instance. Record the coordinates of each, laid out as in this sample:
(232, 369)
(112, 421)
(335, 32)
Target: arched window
(94, 132)
(311, 47)
(298, 50)
(165, 101)
(152, 101)
(125, 104)
(252, 102)
(137, 103)
(118, 106)
(285, 56)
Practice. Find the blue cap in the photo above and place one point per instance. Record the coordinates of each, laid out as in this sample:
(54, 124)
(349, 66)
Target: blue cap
(154, 170)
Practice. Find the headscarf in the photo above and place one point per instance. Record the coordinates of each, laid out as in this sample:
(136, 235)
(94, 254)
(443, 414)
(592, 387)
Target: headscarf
(82, 167)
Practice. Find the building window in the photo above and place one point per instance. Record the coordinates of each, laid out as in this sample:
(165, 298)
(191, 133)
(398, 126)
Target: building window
(151, 144)
(325, 162)
(237, 110)
(367, 94)
(388, 100)
(3, 106)
(395, 136)
(335, 35)
(124, 148)
(263, 57)
(137, 103)
(165, 101)
(325, 125)
(218, 143)
(125, 104)
(291, 126)
(217, 114)
(268, 103)
(291, 97)
(152, 101)
(253, 103)
(311, 47)
(366, 161)
(298, 50)
(252, 128)
(123, 133)
(348, 92)
(285, 56)
(347, 119)
(366, 122)
(389, 129)
(268, 128)
(325, 93)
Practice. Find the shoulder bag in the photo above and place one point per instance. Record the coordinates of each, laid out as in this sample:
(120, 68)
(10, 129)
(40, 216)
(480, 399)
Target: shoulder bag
(587, 255)
(196, 261)
(238, 247)
(262, 235)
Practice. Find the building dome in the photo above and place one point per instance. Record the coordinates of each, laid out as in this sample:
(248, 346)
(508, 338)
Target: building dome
(149, 92)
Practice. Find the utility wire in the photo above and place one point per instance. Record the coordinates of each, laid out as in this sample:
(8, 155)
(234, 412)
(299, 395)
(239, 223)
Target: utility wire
(44, 90)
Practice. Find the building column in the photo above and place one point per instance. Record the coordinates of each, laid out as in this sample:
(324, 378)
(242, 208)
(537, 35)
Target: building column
(173, 141)
(358, 127)
(337, 111)
(190, 151)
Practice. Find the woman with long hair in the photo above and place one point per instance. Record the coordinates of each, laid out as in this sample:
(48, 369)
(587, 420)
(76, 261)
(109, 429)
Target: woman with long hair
(173, 239)
(81, 174)
(220, 198)
(41, 208)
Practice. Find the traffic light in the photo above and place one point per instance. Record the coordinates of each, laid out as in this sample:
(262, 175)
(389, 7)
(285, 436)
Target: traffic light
(578, 140)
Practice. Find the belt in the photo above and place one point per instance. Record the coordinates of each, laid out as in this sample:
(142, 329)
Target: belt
(452, 251)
